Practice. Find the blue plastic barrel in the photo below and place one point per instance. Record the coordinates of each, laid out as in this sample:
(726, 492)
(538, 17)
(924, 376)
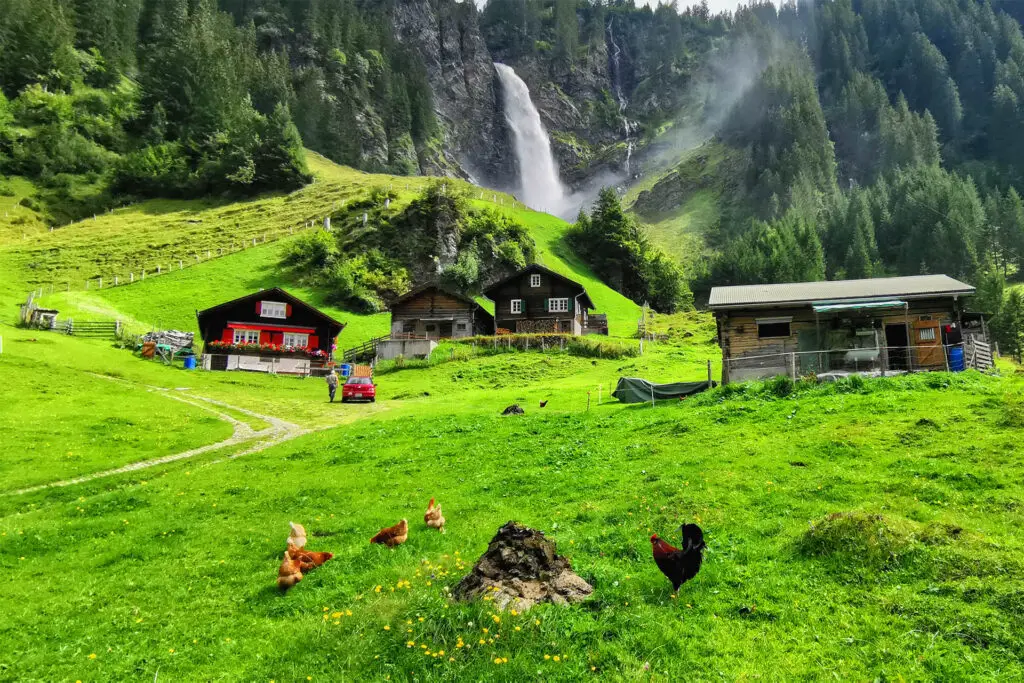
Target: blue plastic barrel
(345, 369)
(956, 358)
(190, 362)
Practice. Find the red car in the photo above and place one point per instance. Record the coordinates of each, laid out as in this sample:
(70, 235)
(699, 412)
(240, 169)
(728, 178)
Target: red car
(358, 389)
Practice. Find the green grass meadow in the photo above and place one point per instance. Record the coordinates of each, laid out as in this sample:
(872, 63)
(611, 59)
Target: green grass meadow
(861, 530)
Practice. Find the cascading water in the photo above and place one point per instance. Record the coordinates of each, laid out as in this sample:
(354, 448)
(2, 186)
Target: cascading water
(538, 173)
(627, 125)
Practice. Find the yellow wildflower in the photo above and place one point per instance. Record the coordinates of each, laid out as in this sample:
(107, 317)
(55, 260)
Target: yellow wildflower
(547, 657)
(386, 627)
(92, 656)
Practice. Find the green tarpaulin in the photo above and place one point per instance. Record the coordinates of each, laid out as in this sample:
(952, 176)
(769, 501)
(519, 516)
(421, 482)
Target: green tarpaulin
(636, 390)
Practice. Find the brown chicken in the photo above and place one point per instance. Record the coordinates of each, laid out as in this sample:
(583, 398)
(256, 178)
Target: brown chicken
(433, 517)
(680, 565)
(308, 559)
(393, 535)
(290, 572)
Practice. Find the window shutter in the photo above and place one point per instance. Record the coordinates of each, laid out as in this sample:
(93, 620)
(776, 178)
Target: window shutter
(288, 310)
(547, 305)
(259, 308)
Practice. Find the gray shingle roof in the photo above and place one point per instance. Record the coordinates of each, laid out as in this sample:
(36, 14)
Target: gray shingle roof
(913, 287)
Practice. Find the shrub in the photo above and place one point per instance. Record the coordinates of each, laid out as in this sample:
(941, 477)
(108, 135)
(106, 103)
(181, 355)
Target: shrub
(586, 347)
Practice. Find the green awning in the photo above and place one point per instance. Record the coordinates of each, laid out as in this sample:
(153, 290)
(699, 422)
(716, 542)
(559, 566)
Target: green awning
(857, 305)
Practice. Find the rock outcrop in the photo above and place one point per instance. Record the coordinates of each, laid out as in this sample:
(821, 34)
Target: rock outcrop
(465, 88)
(521, 569)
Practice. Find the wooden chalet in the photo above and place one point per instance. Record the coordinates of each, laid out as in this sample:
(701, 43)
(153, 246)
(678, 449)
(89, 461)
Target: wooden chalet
(880, 325)
(269, 331)
(537, 299)
(434, 312)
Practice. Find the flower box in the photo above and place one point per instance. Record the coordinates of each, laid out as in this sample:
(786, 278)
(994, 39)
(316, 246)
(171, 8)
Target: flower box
(264, 350)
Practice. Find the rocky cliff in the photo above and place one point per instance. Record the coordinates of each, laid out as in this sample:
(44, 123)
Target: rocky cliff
(467, 97)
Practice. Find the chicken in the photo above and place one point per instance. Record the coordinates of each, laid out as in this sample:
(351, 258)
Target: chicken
(433, 517)
(297, 537)
(308, 559)
(393, 535)
(544, 403)
(290, 572)
(680, 565)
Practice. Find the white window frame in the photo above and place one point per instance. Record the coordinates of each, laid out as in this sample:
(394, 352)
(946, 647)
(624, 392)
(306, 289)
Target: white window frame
(299, 340)
(559, 305)
(516, 307)
(930, 331)
(246, 337)
(535, 280)
(273, 309)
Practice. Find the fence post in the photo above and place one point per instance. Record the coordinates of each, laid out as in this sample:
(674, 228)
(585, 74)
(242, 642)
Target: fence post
(709, 373)
(792, 366)
(179, 265)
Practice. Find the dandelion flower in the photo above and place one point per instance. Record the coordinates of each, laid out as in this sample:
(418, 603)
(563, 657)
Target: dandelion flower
(517, 628)
(557, 658)
(92, 656)
(171, 650)
(497, 660)
(386, 627)
(536, 622)
(496, 618)
(377, 589)
(546, 657)
(336, 615)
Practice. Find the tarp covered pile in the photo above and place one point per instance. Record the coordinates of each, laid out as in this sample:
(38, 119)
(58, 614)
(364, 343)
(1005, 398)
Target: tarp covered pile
(636, 390)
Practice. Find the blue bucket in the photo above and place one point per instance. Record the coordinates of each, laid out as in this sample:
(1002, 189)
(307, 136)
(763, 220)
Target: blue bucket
(345, 369)
(956, 359)
(190, 362)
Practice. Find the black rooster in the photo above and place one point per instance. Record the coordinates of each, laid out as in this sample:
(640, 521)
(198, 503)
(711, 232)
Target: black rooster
(680, 565)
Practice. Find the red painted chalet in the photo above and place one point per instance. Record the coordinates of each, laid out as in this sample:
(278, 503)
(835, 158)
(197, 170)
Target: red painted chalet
(269, 331)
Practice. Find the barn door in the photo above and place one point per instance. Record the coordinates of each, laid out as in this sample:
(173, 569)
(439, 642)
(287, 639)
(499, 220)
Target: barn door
(928, 343)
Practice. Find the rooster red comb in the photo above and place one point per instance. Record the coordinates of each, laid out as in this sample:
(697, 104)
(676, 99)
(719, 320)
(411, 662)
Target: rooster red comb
(654, 538)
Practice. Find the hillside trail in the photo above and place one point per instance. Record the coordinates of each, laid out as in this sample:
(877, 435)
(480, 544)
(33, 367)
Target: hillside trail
(278, 431)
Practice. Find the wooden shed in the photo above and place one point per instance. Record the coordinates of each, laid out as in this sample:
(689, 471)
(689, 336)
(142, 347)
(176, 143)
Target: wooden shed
(435, 312)
(539, 300)
(879, 325)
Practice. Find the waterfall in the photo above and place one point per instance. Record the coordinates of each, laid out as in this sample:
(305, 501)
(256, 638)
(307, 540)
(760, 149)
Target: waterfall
(627, 125)
(538, 173)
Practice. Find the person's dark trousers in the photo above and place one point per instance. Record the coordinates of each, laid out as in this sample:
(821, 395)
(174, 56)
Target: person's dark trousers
(332, 390)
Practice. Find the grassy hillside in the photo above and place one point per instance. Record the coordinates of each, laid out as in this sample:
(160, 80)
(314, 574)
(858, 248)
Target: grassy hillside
(863, 530)
(162, 232)
(681, 204)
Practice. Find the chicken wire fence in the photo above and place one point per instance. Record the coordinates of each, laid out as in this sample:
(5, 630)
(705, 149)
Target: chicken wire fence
(876, 361)
(275, 365)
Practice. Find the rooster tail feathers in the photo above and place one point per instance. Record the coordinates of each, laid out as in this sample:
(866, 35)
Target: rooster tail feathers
(693, 536)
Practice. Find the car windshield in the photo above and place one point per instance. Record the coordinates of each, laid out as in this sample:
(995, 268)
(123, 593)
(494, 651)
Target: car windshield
(358, 380)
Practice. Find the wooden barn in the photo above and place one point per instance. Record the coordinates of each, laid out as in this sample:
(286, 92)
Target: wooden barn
(269, 331)
(537, 299)
(880, 325)
(434, 312)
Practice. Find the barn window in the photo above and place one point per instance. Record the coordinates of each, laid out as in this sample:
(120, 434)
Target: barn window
(773, 328)
(517, 306)
(295, 339)
(558, 305)
(273, 309)
(408, 326)
(535, 280)
(926, 334)
(461, 327)
(247, 337)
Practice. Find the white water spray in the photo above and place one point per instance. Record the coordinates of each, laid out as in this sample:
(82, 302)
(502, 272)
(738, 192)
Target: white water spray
(627, 125)
(538, 172)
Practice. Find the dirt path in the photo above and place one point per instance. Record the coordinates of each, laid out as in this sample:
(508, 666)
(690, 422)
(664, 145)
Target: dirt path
(278, 432)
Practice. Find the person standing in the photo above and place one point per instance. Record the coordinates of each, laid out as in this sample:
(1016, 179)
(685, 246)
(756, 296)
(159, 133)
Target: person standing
(332, 383)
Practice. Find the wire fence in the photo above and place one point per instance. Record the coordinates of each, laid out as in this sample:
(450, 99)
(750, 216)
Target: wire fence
(872, 361)
(295, 366)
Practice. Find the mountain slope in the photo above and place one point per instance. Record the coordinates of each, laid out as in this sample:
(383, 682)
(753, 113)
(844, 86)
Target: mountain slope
(161, 233)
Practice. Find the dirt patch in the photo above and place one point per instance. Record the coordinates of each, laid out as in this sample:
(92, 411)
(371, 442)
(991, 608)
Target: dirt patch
(521, 569)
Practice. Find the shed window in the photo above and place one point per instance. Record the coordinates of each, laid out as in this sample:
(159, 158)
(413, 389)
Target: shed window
(247, 337)
(408, 326)
(535, 280)
(517, 306)
(773, 328)
(297, 340)
(461, 327)
(558, 305)
(926, 334)
(273, 309)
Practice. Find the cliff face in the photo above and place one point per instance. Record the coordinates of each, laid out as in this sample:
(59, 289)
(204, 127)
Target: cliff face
(467, 96)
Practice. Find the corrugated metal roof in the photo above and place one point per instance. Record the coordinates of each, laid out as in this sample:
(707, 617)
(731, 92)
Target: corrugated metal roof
(915, 286)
